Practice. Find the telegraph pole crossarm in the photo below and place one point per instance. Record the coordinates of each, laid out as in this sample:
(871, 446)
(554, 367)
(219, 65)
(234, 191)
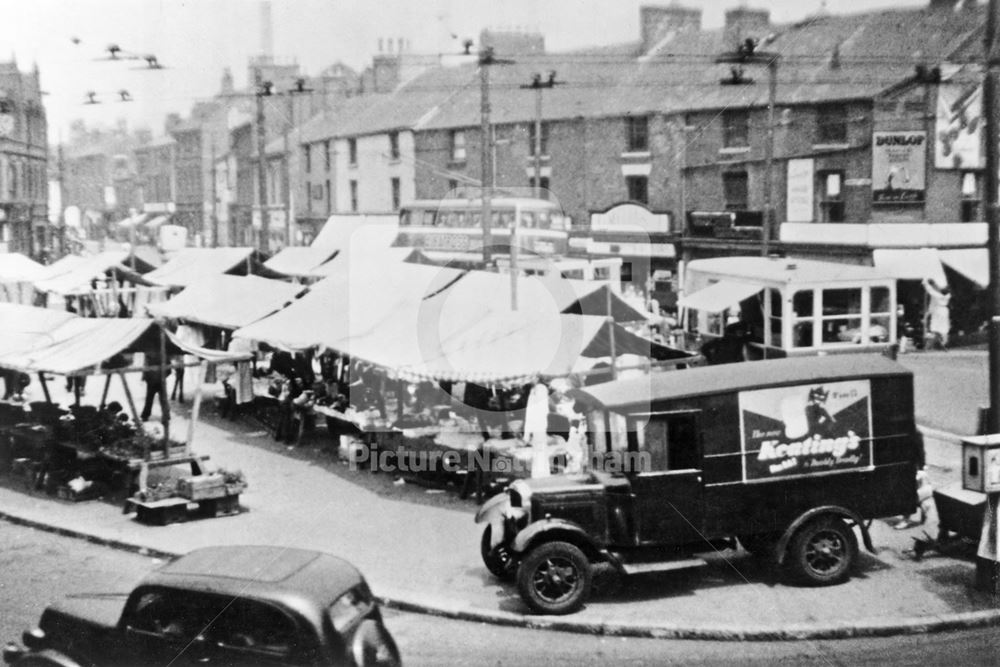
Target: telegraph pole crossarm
(748, 54)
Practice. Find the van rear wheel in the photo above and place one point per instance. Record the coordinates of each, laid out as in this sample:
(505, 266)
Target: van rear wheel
(554, 578)
(823, 552)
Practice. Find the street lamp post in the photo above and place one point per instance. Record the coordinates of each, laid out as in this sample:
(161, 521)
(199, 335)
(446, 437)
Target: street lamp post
(748, 54)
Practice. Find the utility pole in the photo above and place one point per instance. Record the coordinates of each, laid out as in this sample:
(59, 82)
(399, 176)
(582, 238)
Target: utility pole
(263, 88)
(747, 54)
(991, 190)
(988, 553)
(538, 85)
(486, 151)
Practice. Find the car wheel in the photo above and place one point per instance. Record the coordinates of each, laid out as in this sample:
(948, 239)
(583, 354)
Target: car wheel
(554, 578)
(823, 552)
(499, 560)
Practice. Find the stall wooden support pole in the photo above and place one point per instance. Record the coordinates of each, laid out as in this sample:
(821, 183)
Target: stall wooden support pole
(611, 334)
(76, 390)
(45, 386)
(104, 394)
(199, 379)
(164, 405)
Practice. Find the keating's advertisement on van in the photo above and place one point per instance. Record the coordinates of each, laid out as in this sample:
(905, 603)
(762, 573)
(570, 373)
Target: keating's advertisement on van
(806, 429)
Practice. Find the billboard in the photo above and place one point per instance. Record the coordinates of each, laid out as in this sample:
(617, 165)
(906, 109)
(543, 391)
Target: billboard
(806, 429)
(958, 127)
(899, 162)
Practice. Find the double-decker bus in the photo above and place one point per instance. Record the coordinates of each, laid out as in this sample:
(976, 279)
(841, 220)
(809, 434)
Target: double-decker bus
(455, 225)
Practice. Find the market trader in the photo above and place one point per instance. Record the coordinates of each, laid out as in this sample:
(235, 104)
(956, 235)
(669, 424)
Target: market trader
(155, 387)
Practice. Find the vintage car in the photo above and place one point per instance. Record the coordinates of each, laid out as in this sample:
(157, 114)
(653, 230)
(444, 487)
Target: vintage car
(787, 457)
(232, 605)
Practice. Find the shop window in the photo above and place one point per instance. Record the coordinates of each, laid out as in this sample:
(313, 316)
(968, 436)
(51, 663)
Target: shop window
(831, 196)
(736, 128)
(831, 124)
(880, 320)
(735, 190)
(457, 145)
(637, 134)
(970, 197)
(841, 315)
(394, 145)
(544, 138)
(395, 194)
(352, 152)
(638, 188)
(354, 196)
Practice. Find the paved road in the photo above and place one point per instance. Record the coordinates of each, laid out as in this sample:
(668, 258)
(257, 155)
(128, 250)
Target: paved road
(36, 567)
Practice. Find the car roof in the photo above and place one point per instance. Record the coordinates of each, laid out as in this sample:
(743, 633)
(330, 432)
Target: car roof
(636, 393)
(269, 572)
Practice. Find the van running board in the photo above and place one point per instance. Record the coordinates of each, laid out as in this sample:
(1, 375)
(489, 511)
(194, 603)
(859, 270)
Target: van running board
(662, 565)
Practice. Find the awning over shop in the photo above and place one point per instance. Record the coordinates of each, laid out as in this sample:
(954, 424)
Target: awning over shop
(79, 345)
(300, 261)
(973, 263)
(80, 274)
(719, 296)
(16, 268)
(909, 263)
(227, 301)
(193, 265)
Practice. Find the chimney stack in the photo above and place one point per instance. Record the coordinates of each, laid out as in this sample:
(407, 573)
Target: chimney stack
(743, 23)
(658, 23)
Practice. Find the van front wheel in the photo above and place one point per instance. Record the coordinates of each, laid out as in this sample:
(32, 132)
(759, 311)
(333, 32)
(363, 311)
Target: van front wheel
(554, 578)
(823, 552)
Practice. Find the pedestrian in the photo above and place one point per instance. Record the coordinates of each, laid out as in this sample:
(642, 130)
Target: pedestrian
(939, 312)
(154, 387)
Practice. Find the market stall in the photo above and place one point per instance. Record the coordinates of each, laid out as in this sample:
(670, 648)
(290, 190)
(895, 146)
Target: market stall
(192, 266)
(17, 276)
(108, 284)
(83, 451)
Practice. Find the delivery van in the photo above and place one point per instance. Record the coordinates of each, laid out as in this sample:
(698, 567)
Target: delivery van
(791, 458)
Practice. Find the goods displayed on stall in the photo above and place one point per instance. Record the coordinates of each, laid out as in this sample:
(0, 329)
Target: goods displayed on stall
(82, 451)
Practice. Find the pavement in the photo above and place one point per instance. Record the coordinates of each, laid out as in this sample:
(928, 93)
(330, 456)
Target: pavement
(418, 546)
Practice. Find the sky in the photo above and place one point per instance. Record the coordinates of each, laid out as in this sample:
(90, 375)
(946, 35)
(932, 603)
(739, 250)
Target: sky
(197, 39)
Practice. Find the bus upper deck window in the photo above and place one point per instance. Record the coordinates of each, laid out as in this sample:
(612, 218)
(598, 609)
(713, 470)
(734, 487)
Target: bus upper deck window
(527, 220)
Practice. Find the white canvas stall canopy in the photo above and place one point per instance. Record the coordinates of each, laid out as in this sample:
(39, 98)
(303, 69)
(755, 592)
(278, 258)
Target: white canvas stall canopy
(354, 301)
(17, 276)
(973, 263)
(540, 294)
(300, 261)
(192, 265)
(80, 345)
(227, 301)
(77, 276)
(21, 326)
(498, 348)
